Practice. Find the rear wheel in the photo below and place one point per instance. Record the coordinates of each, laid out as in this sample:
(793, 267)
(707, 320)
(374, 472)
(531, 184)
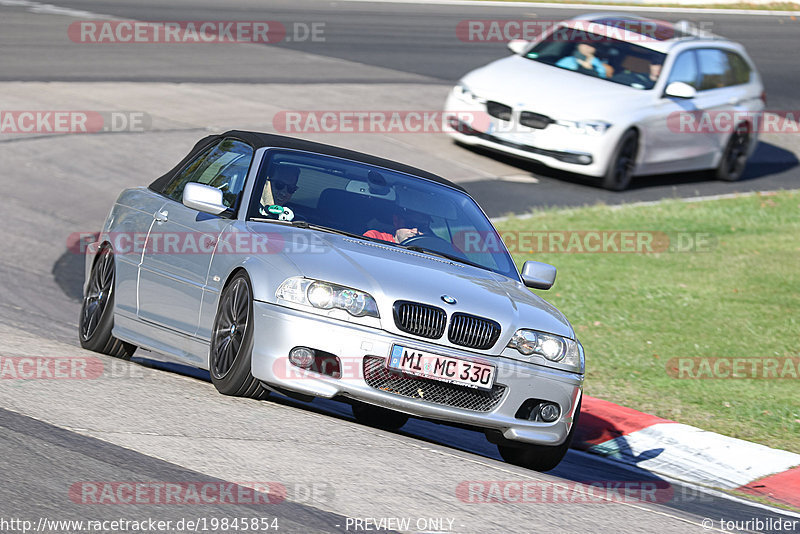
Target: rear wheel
(734, 159)
(232, 342)
(620, 170)
(539, 457)
(97, 311)
(378, 417)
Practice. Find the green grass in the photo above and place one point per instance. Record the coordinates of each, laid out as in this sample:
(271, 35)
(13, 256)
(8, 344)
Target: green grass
(773, 6)
(633, 312)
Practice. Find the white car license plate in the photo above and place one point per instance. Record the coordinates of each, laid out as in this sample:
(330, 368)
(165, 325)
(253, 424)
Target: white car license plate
(521, 138)
(444, 368)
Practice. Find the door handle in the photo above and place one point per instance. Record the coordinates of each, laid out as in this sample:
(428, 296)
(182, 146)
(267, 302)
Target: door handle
(161, 216)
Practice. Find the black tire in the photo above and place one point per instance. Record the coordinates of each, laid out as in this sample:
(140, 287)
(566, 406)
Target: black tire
(620, 170)
(97, 311)
(378, 417)
(734, 159)
(539, 457)
(231, 349)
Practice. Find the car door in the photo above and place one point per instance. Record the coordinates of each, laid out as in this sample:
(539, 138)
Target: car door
(669, 146)
(132, 218)
(181, 242)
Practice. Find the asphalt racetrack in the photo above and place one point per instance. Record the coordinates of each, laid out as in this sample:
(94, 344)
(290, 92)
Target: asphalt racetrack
(146, 421)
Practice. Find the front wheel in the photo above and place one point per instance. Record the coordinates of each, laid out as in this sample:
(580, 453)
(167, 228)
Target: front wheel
(734, 159)
(232, 342)
(539, 457)
(97, 311)
(620, 170)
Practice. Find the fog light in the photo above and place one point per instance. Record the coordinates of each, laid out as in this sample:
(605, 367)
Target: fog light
(301, 357)
(549, 412)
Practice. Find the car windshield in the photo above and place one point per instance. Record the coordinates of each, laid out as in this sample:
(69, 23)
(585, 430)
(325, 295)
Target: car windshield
(599, 56)
(374, 203)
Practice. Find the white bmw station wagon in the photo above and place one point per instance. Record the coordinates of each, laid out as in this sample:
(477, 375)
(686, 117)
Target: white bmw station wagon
(614, 96)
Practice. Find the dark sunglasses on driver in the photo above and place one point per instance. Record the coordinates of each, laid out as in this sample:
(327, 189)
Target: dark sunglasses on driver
(283, 185)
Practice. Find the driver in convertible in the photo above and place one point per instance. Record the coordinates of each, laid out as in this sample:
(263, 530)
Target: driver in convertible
(407, 224)
(278, 191)
(280, 186)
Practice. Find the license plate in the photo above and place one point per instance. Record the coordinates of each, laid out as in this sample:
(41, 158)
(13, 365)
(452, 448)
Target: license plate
(520, 138)
(443, 368)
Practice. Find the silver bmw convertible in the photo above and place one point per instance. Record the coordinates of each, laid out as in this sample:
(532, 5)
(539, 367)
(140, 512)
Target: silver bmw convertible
(282, 265)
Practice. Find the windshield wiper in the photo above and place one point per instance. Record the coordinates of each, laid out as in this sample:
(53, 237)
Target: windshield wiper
(259, 219)
(304, 224)
(452, 257)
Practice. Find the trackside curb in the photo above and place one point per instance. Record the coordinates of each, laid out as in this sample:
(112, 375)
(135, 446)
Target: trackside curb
(782, 487)
(687, 453)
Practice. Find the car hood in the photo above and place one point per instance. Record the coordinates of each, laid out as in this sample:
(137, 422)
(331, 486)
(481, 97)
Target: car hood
(553, 91)
(391, 273)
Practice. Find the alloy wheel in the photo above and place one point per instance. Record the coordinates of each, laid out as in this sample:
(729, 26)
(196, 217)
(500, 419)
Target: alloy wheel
(231, 326)
(98, 294)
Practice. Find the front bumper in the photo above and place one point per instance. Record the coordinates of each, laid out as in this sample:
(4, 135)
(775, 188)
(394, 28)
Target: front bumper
(553, 146)
(279, 329)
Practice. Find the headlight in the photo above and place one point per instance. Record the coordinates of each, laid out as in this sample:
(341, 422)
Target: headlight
(561, 350)
(463, 93)
(594, 128)
(326, 296)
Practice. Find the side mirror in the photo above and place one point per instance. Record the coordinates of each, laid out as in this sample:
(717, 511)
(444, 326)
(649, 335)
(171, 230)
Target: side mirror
(680, 90)
(203, 198)
(538, 275)
(517, 46)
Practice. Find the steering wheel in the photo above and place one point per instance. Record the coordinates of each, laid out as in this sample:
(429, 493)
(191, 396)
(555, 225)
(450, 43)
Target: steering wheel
(432, 242)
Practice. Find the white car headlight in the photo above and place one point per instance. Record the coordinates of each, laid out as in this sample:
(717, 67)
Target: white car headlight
(465, 94)
(564, 351)
(326, 296)
(594, 128)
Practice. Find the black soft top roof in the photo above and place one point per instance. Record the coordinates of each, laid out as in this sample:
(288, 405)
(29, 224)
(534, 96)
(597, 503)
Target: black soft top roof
(259, 140)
